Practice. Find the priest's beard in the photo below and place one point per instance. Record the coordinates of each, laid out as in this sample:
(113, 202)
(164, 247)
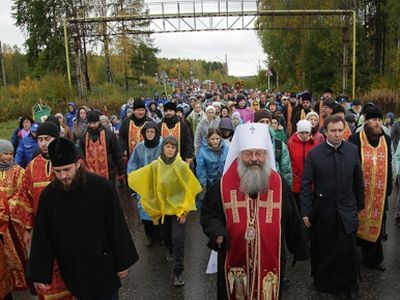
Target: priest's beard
(253, 180)
(78, 180)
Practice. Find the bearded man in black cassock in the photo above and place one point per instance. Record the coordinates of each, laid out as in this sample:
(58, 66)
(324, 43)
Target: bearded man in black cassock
(80, 224)
(248, 216)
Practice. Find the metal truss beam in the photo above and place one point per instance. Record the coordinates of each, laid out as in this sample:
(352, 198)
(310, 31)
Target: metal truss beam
(207, 15)
(164, 16)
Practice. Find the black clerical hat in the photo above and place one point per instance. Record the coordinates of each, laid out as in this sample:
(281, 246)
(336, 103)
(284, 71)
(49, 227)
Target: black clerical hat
(48, 128)
(138, 103)
(93, 116)
(62, 152)
(170, 106)
(373, 112)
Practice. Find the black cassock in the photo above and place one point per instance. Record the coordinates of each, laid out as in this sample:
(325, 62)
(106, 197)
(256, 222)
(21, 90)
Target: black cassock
(214, 224)
(85, 231)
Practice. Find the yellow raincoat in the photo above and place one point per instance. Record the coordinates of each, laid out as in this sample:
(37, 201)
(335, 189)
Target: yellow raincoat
(165, 189)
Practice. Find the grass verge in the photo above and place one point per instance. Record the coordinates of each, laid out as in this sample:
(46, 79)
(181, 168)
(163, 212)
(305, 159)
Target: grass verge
(7, 129)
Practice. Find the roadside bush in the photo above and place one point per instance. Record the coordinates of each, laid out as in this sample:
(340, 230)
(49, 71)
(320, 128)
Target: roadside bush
(386, 99)
(19, 100)
(53, 89)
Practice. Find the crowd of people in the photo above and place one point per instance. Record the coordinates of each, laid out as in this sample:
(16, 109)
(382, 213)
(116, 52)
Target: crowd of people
(267, 171)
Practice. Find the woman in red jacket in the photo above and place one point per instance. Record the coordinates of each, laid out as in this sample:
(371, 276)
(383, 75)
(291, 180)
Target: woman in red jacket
(299, 145)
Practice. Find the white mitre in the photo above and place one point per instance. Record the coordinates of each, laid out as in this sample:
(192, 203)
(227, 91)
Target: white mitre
(250, 136)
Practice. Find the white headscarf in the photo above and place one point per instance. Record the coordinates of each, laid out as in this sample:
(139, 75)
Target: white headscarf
(250, 136)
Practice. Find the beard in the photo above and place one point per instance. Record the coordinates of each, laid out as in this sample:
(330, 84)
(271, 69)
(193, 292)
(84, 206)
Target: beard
(376, 130)
(373, 130)
(253, 179)
(77, 181)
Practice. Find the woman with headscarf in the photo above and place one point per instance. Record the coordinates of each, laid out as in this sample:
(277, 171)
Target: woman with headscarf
(105, 121)
(389, 120)
(236, 119)
(168, 188)
(144, 153)
(209, 121)
(195, 117)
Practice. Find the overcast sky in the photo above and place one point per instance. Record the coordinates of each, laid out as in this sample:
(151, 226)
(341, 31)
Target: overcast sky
(241, 47)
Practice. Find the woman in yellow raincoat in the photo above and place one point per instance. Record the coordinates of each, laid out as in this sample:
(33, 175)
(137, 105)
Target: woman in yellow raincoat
(168, 188)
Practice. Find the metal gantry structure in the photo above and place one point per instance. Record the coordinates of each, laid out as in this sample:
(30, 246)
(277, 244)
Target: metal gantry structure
(206, 15)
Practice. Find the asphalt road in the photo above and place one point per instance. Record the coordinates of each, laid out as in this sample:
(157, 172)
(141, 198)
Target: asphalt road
(151, 277)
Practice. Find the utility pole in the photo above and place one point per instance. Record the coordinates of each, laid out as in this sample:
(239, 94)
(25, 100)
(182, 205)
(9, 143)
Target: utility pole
(269, 74)
(277, 80)
(143, 62)
(226, 63)
(164, 75)
(345, 66)
(3, 71)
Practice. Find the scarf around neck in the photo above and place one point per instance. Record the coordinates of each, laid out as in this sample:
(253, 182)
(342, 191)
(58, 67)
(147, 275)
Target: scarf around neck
(6, 166)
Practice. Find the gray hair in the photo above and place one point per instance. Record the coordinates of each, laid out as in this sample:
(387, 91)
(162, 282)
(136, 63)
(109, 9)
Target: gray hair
(253, 180)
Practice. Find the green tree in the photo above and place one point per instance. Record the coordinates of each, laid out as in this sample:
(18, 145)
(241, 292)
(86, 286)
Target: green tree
(41, 20)
(304, 58)
(144, 61)
(16, 66)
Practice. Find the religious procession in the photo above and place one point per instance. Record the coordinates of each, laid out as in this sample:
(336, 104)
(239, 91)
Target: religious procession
(273, 179)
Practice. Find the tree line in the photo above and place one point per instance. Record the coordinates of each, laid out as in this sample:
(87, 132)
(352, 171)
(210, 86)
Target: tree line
(310, 53)
(98, 53)
(298, 57)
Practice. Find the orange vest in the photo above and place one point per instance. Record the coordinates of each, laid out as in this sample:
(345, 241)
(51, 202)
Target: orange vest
(347, 132)
(96, 155)
(175, 131)
(374, 163)
(289, 118)
(135, 136)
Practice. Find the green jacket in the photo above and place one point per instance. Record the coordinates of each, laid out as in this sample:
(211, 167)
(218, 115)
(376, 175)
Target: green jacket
(281, 135)
(282, 163)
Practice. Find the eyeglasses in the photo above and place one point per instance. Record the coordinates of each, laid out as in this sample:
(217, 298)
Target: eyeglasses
(256, 153)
